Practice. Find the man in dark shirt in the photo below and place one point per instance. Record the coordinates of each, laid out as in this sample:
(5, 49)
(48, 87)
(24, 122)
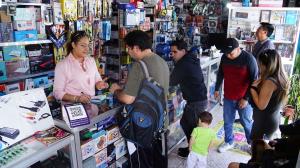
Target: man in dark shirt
(238, 69)
(188, 74)
(263, 42)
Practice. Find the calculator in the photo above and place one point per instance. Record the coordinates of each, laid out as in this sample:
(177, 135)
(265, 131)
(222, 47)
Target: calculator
(9, 132)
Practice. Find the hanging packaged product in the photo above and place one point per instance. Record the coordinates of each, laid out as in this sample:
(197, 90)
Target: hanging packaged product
(105, 30)
(69, 9)
(132, 17)
(57, 12)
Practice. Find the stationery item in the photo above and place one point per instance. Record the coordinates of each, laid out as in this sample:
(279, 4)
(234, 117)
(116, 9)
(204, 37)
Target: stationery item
(50, 135)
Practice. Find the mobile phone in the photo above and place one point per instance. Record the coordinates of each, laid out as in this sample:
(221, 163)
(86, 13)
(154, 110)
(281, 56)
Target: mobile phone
(9, 132)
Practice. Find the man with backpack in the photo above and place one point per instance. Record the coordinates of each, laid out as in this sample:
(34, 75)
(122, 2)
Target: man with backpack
(188, 74)
(139, 45)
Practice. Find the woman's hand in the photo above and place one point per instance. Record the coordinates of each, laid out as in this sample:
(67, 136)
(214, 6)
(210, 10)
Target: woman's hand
(102, 84)
(84, 98)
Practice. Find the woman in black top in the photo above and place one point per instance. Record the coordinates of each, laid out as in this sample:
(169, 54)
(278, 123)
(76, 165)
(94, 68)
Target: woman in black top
(268, 95)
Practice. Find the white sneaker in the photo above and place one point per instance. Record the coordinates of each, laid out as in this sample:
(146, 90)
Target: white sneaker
(224, 147)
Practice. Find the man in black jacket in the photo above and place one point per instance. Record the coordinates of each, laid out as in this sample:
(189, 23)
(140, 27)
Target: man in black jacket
(188, 74)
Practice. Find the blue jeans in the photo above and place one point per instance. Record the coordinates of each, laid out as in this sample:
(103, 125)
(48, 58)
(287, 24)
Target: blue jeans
(229, 111)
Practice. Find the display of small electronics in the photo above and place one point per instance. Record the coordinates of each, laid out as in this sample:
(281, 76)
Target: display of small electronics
(9, 132)
(39, 104)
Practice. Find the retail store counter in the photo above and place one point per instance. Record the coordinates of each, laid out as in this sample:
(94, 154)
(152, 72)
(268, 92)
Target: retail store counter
(96, 114)
(31, 151)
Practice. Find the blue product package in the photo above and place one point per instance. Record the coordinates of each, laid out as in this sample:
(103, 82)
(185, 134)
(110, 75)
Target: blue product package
(2, 71)
(13, 53)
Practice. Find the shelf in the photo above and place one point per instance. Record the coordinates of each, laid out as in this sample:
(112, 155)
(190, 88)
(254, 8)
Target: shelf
(26, 76)
(27, 4)
(42, 152)
(25, 43)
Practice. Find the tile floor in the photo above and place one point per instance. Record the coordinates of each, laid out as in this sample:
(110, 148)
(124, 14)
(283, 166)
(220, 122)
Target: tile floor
(215, 159)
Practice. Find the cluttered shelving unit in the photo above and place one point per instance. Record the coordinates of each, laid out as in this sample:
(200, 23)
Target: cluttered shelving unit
(243, 22)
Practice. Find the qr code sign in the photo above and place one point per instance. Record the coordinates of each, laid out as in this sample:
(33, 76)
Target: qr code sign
(76, 112)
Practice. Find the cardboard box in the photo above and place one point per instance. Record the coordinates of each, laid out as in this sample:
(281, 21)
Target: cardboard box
(25, 35)
(111, 154)
(17, 68)
(6, 32)
(88, 149)
(24, 25)
(25, 14)
(100, 140)
(12, 88)
(121, 148)
(4, 17)
(113, 134)
(101, 157)
(40, 82)
(11, 53)
(41, 63)
(2, 71)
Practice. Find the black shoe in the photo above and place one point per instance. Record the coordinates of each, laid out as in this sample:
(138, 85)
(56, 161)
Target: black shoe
(183, 152)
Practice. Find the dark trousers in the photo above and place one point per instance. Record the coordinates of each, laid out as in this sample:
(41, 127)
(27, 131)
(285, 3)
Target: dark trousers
(190, 116)
(151, 157)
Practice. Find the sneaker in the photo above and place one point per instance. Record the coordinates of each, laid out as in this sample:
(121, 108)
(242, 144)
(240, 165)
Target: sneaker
(224, 147)
(183, 152)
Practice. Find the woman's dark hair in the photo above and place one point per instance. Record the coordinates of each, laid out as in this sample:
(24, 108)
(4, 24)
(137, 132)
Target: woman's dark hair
(205, 117)
(267, 27)
(273, 68)
(138, 38)
(180, 44)
(75, 37)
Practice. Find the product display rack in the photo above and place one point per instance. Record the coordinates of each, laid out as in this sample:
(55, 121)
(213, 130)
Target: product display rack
(75, 131)
(36, 151)
(243, 22)
(25, 43)
(27, 76)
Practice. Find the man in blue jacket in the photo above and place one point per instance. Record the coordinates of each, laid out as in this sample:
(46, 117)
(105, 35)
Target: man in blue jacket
(263, 42)
(188, 74)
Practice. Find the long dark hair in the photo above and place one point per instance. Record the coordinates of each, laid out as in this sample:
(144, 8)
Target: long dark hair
(75, 37)
(272, 61)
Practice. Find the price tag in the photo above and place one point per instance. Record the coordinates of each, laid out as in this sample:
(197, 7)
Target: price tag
(77, 115)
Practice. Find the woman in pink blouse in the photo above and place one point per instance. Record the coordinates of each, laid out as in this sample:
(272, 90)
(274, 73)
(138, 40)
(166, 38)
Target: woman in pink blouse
(77, 75)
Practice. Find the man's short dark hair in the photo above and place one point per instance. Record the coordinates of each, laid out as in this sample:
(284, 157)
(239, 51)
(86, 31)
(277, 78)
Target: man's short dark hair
(180, 44)
(138, 38)
(205, 117)
(267, 27)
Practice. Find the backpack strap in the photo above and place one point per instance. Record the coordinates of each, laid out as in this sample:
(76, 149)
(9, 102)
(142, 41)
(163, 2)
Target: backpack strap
(145, 69)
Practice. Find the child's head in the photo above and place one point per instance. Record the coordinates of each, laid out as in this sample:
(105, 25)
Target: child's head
(205, 117)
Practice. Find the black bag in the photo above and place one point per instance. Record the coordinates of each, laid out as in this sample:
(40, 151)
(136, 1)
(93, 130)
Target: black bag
(143, 120)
